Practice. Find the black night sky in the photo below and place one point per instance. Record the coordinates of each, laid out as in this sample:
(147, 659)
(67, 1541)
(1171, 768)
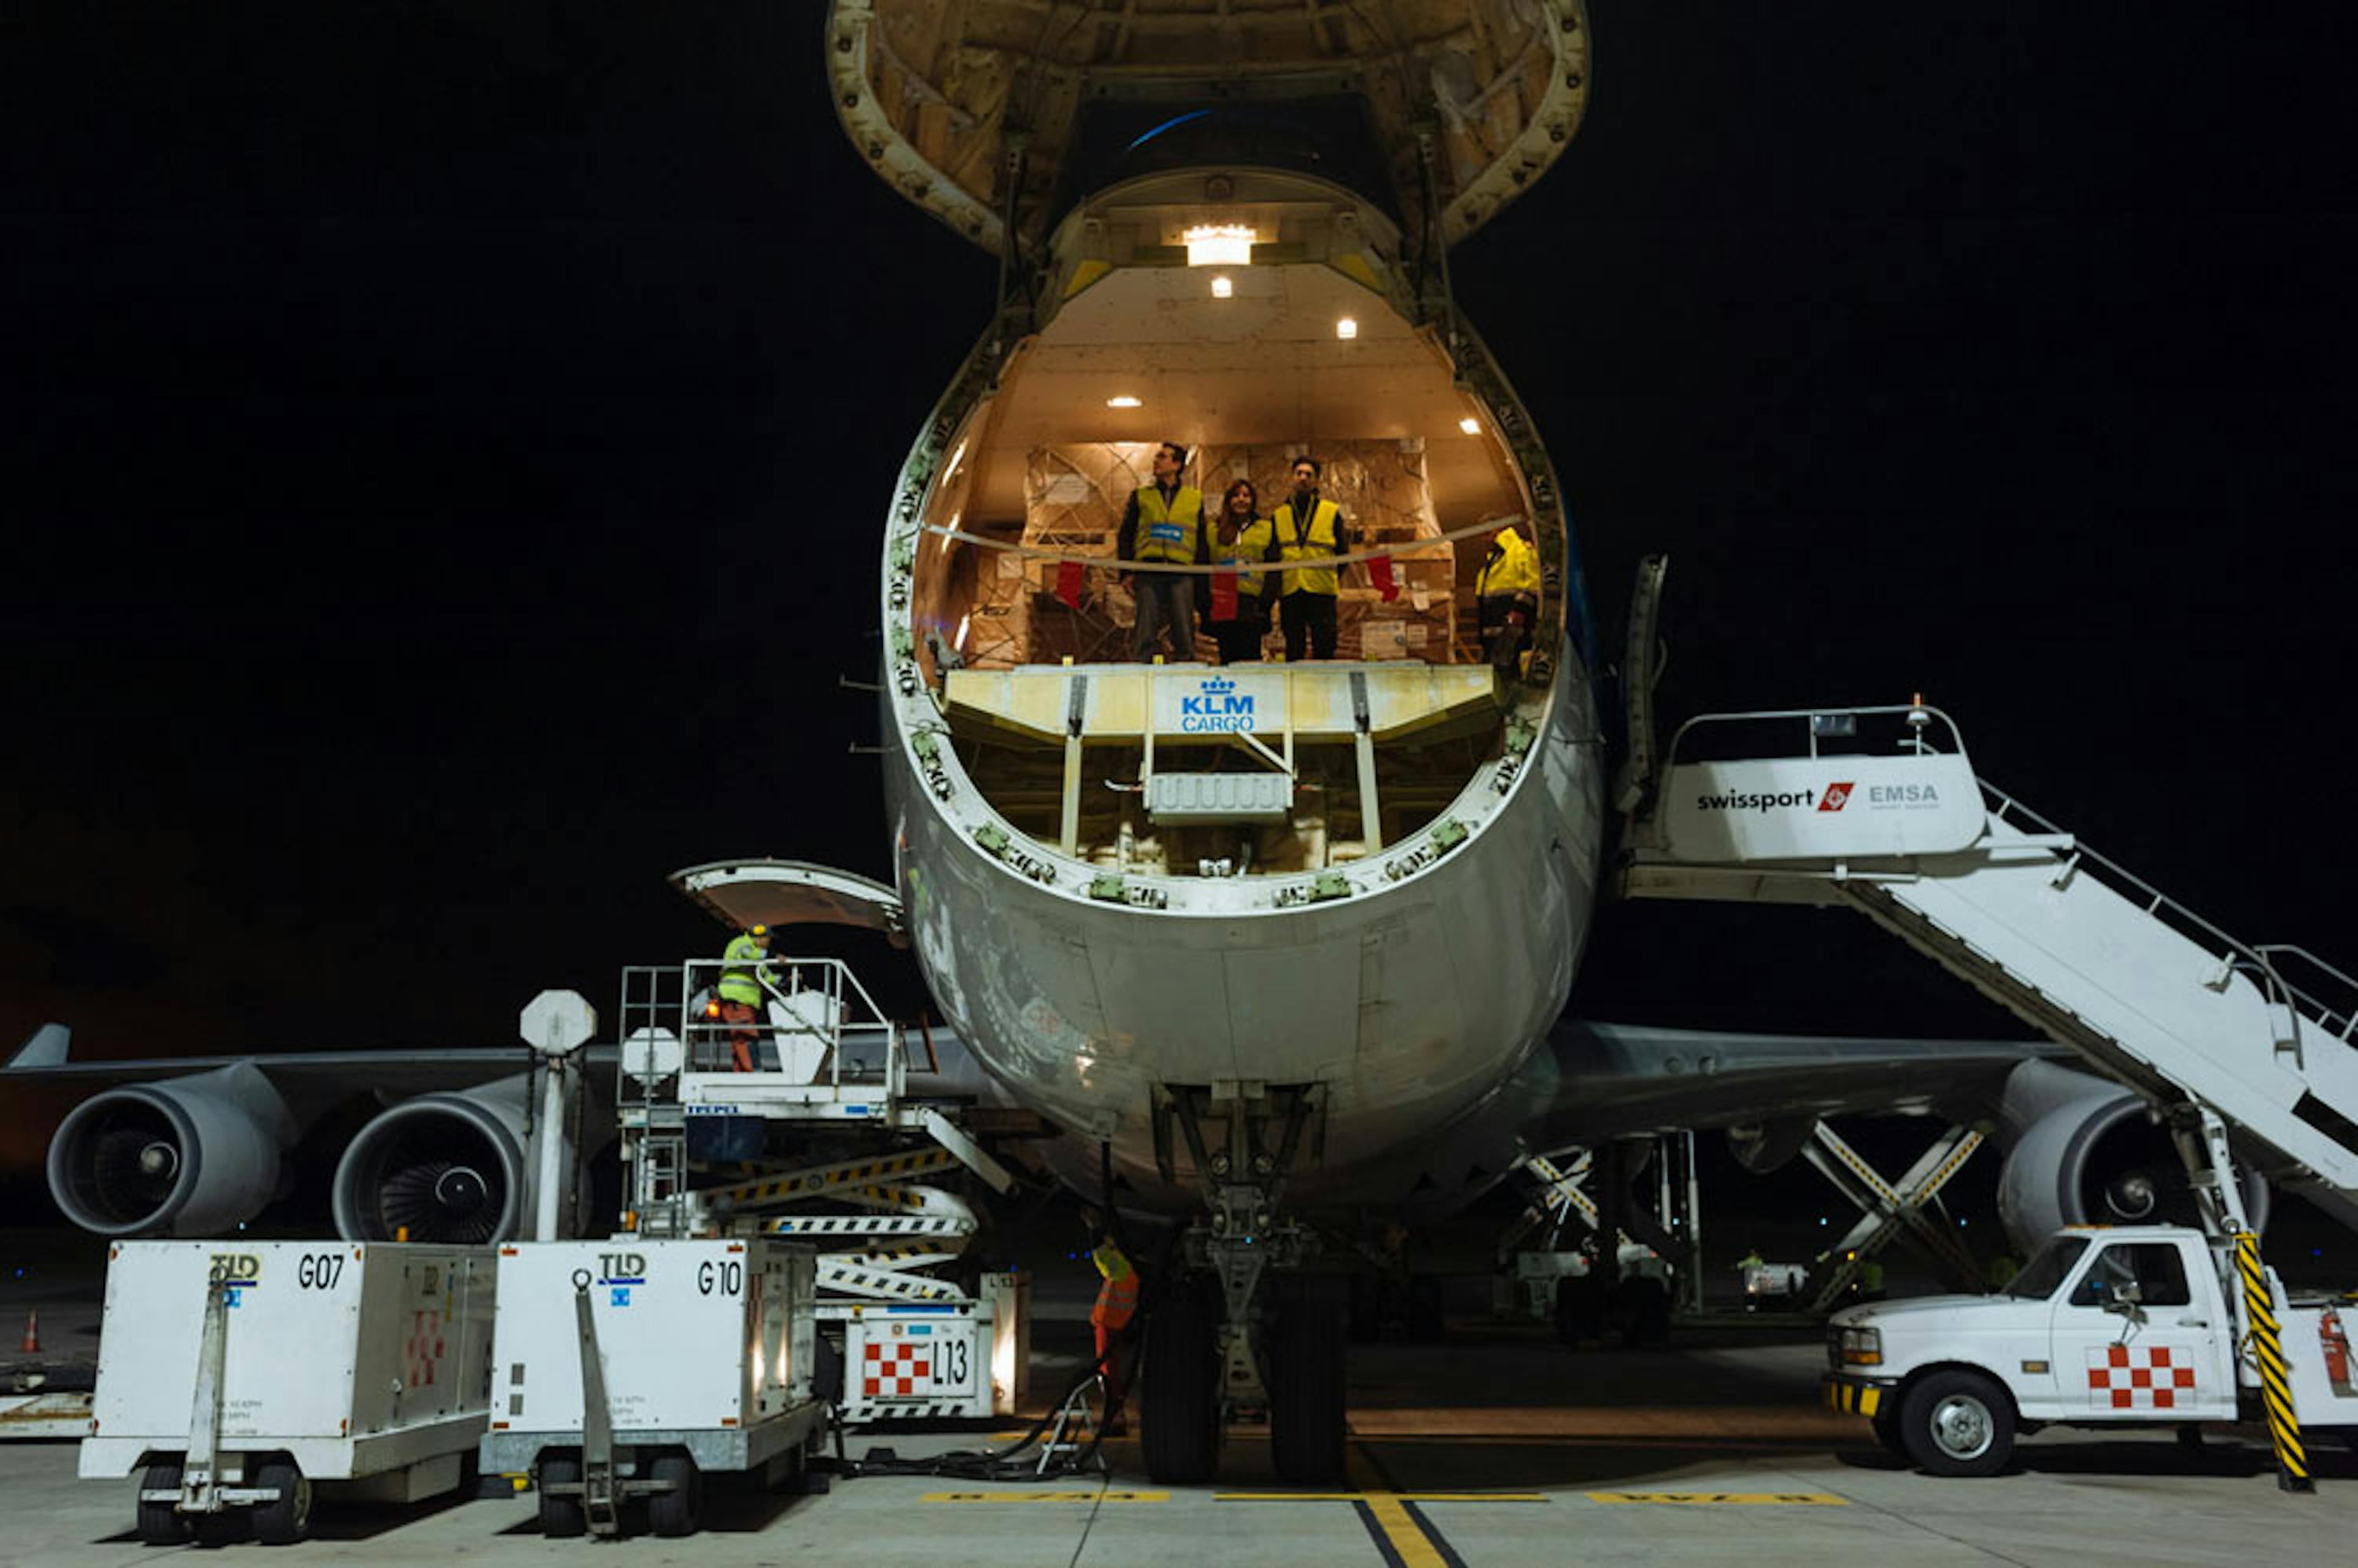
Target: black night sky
(447, 445)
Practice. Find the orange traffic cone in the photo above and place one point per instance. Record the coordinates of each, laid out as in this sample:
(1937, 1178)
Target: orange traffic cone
(32, 1346)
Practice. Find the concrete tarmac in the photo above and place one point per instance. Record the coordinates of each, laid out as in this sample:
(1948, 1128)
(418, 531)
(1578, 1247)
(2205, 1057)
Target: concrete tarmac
(1497, 1447)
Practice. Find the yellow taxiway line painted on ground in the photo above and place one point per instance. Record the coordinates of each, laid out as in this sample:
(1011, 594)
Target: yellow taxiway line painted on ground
(1362, 1497)
(1402, 1534)
(1801, 1500)
(1039, 1496)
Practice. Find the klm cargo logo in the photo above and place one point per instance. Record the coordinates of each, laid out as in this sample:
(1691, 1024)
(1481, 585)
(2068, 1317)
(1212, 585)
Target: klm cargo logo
(1217, 710)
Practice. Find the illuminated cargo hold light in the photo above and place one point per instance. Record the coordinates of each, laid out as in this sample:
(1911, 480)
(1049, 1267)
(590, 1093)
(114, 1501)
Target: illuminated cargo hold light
(1123, 401)
(1223, 286)
(1219, 245)
(955, 457)
(1346, 329)
(947, 540)
(1470, 425)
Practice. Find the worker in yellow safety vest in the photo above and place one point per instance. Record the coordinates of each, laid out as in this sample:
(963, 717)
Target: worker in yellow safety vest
(1232, 602)
(1507, 596)
(1116, 1304)
(1164, 526)
(1307, 526)
(740, 990)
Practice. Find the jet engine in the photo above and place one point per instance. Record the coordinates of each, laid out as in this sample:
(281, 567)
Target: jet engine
(451, 1167)
(190, 1156)
(2087, 1151)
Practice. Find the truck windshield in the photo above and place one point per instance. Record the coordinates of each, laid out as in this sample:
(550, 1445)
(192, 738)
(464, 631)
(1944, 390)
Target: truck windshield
(2043, 1273)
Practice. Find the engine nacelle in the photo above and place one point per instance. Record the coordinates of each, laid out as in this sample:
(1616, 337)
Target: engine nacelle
(451, 1167)
(2087, 1151)
(190, 1156)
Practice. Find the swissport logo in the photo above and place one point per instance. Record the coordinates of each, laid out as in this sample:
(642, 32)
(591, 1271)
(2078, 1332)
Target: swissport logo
(1837, 795)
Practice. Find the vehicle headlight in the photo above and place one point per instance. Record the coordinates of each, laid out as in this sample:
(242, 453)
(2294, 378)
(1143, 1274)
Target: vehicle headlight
(1862, 1348)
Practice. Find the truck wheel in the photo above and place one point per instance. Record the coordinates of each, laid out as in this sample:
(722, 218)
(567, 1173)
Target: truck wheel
(677, 1512)
(287, 1518)
(1958, 1423)
(561, 1519)
(160, 1524)
(1886, 1421)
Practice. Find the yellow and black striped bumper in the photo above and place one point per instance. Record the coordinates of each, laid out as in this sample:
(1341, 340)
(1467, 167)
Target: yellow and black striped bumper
(1851, 1395)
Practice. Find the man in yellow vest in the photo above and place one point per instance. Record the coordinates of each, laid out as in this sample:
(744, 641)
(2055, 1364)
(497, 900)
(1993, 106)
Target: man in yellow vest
(1116, 1304)
(1306, 527)
(1507, 596)
(1164, 524)
(740, 990)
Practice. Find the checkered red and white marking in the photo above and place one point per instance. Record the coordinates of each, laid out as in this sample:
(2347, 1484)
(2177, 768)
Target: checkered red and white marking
(423, 1350)
(2139, 1377)
(894, 1370)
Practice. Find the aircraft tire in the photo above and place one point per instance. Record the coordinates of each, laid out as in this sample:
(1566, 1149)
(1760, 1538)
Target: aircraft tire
(160, 1524)
(1306, 1357)
(679, 1510)
(561, 1519)
(1958, 1423)
(1180, 1426)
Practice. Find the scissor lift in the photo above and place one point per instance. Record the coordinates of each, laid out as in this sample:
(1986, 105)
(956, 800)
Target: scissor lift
(824, 1143)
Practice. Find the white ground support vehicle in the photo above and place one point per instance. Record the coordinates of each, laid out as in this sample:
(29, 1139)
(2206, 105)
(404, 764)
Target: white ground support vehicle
(635, 1366)
(236, 1376)
(2141, 1326)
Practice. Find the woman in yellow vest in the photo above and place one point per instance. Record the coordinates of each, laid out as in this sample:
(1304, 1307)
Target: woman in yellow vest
(1307, 527)
(1235, 611)
(1165, 524)
(1507, 596)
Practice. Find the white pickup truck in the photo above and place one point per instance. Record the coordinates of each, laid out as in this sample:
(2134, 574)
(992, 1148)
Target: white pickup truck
(2105, 1327)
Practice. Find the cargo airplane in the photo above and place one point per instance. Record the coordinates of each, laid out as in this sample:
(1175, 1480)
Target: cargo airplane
(1305, 962)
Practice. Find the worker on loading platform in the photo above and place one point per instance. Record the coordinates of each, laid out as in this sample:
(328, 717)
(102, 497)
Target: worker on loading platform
(740, 990)
(1232, 603)
(1306, 527)
(1165, 524)
(1507, 597)
(1116, 1304)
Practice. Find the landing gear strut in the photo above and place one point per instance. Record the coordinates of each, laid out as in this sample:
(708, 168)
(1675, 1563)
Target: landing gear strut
(1243, 1329)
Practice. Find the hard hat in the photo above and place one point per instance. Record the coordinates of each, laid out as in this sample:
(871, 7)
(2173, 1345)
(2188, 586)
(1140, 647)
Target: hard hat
(757, 932)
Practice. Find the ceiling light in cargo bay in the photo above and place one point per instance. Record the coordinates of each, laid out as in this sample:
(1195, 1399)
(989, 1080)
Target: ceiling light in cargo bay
(1470, 425)
(1346, 329)
(1219, 245)
(1124, 401)
(1223, 286)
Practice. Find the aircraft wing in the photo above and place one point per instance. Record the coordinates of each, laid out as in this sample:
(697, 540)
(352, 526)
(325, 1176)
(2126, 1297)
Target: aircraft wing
(1599, 1080)
(42, 1061)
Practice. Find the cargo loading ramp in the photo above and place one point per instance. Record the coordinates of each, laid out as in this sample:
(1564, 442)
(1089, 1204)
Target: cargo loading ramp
(2106, 965)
